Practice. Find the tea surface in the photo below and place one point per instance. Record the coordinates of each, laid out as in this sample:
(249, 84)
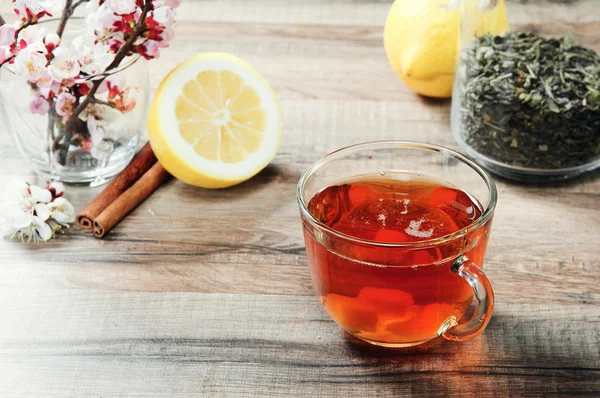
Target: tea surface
(394, 210)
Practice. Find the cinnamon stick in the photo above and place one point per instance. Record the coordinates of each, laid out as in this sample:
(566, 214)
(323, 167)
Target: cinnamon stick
(130, 199)
(139, 165)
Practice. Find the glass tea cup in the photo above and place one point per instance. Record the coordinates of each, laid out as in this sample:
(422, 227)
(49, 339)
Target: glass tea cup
(407, 293)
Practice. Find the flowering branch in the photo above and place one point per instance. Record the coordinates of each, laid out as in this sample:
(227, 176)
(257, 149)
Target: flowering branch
(121, 54)
(137, 31)
(76, 83)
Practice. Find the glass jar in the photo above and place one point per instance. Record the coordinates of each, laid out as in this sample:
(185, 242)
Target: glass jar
(526, 102)
(103, 139)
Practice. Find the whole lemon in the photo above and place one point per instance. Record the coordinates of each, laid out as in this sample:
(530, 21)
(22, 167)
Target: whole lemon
(421, 40)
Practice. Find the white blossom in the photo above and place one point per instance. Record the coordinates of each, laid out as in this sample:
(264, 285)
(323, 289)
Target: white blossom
(26, 196)
(92, 6)
(53, 7)
(33, 34)
(31, 62)
(121, 7)
(30, 228)
(106, 126)
(94, 58)
(100, 22)
(105, 120)
(34, 214)
(60, 210)
(65, 64)
(38, 104)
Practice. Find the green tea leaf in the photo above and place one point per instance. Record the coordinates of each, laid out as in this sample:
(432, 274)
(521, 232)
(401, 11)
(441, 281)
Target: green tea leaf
(530, 101)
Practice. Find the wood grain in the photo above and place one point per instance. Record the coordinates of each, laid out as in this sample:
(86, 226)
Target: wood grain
(191, 344)
(207, 293)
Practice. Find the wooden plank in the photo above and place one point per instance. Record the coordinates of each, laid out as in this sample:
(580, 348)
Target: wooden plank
(109, 344)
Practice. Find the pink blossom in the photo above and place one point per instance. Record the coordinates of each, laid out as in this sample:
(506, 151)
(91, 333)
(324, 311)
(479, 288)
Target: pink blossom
(44, 81)
(39, 105)
(64, 104)
(164, 16)
(7, 34)
(148, 49)
(46, 85)
(87, 145)
(166, 36)
(172, 3)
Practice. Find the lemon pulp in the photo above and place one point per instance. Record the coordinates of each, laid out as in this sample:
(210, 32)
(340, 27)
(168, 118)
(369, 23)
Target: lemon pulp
(214, 121)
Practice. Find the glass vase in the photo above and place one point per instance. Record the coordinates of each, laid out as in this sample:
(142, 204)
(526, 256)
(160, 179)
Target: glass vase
(100, 142)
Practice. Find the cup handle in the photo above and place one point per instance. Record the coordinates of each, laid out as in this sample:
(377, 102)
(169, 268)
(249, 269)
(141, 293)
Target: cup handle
(484, 302)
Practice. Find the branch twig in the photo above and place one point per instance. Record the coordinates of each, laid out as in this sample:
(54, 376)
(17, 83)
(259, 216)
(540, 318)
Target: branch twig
(77, 4)
(25, 25)
(66, 14)
(120, 55)
(2, 21)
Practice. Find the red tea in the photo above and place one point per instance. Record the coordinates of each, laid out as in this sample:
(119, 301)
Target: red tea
(385, 293)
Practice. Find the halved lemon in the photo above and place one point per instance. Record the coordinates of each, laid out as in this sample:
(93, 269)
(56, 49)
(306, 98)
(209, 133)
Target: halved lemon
(214, 121)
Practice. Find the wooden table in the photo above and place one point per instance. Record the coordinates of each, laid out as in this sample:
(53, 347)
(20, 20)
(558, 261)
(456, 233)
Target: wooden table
(207, 293)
